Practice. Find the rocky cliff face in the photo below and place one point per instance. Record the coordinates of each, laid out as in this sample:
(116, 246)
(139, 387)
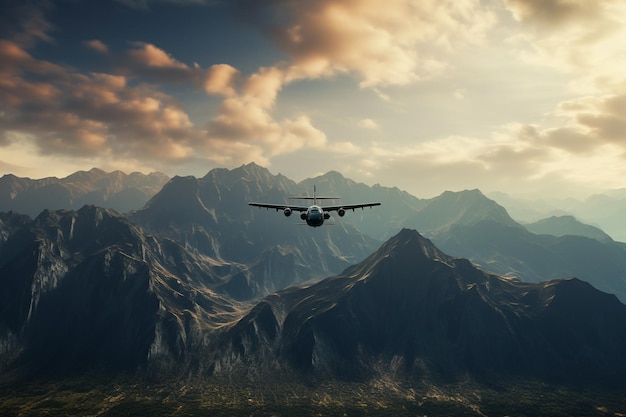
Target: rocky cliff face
(9, 223)
(88, 289)
(411, 309)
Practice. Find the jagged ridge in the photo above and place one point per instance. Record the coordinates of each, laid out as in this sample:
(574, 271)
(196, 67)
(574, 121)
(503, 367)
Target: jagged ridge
(87, 289)
(409, 304)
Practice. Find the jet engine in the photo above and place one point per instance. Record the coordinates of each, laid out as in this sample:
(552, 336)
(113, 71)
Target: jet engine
(303, 215)
(341, 212)
(287, 212)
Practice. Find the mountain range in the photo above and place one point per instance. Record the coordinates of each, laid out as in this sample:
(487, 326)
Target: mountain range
(197, 284)
(564, 226)
(88, 289)
(210, 216)
(413, 310)
(117, 190)
(469, 225)
(605, 210)
(128, 299)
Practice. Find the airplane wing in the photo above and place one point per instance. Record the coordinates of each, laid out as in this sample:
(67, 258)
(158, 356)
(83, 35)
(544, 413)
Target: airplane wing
(279, 206)
(350, 206)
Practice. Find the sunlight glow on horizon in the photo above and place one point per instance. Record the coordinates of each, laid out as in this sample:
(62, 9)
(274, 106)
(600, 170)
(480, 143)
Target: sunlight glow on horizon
(500, 95)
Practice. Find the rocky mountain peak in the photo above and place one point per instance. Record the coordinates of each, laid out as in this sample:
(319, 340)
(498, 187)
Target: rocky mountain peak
(431, 314)
(406, 250)
(409, 242)
(459, 208)
(248, 172)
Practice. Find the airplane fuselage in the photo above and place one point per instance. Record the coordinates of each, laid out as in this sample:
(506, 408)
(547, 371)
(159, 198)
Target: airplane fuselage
(314, 216)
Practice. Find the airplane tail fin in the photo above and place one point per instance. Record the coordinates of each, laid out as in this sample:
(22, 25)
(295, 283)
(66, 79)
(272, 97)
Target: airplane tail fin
(315, 197)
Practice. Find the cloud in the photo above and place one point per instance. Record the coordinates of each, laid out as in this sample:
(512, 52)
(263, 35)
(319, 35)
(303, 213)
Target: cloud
(151, 56)
(70, 113)
(147, 61)
(582, 38)
(14, 59)
(573, 159)
(99, 115)
(220, 80)
(105, 114)
(24, 22)
(97, 45)
(549, 13)
(367, 124)
(601, 119)
(377, 42)
(245, 120)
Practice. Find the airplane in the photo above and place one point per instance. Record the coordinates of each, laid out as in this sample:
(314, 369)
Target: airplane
(316, 214)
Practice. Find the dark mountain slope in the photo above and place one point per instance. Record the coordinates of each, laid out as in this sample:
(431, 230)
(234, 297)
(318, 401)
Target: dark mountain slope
(411, 309)
(87, 289)
(115, 190)
(9, 223)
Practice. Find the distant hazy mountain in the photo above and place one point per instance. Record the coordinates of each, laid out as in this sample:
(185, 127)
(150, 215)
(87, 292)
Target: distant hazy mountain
(608, 211)
(469, 225)
(409, 309)
(566, 225)
(115, 190)
(87, 289)
(458, 208)
(605, 211)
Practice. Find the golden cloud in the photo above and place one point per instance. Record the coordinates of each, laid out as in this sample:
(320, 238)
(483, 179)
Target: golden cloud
(151, 56)
(220, 80)
(97, 45)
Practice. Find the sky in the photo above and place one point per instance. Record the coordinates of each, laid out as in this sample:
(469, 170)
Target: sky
(526, 97)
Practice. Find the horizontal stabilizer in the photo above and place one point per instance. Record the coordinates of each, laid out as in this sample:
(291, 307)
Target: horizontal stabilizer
(313, 198)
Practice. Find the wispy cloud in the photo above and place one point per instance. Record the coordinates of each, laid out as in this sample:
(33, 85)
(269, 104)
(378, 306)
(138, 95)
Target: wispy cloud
(24, 22)
(97, 45)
